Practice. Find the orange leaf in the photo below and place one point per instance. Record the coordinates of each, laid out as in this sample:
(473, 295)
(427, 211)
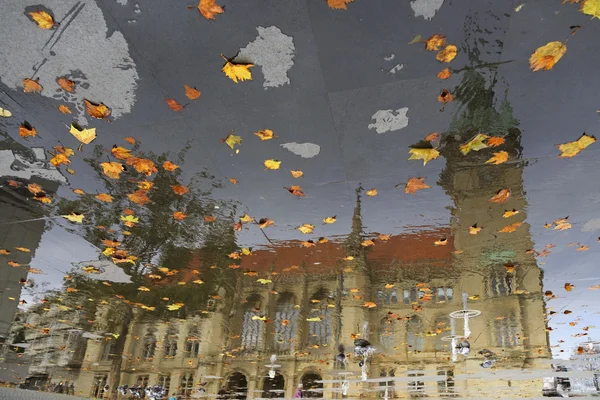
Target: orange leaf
(96, 110)
(169, 166)
(66, 84)
(233, 181)
(441, 242)
(14, 184)
(4, 252)
(59, 159)
(415, 184)
(209, 218)
(31, 86)
(370, 304)
(265, 222)
(338, 4)
(474, 230)
(447, 54)
(372, 192)
(43, 19)
(78, 191)
(445, 96)
(432, 137)
(435, 42)
(179, 216)
(64, 109)
(191, 93)
(569, 287)
(121, 152)
(296, 191)
(501, 197)
(444, 74)
(297, 174)
(384, 237)
(34, 188)
(495, 141)
(367, 243)
(26, 130)
(13, 264)
(112, 169)
(173, 105)
(209, 8)
(129, 140)
(511, 227)
(107, 198)
(139, 197)
(145, 185)
(180, 190)
(498, 158)
(546, 56)
(142, 165)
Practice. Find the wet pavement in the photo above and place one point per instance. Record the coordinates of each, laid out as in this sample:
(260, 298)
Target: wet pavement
(388, 203)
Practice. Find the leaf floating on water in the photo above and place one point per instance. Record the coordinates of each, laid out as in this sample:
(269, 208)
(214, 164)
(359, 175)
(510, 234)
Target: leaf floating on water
(142, 165)
(297, 174)
(444, 74)
(179, 216)
(120, 153)
(272, 164)
(415, 184)
(191, 93)
(237, 72)
(265, 134)
(31, 86)
(445, 96)
(425, 154)
(338, 4)
(306, 228)
(591, 7)
(501, 197)
(169, 166)
(296, 191)
(447, 54)
(173, 105)
(139, 197)
(372, 192)
(97, 110)
(180, 190)
(495, 141)
(73, 217)
(546, 56)
(435, 42)
(475, 144)
(209, 8)
(569, 287)
(26, 130)
(571, 149)
(112, 169)
(511, 228)
(474, 230)
(329, 220)
(64, 109)
(441, 242)
(231, 140)
(85, 136)
(265, 222)
(498, 158)
(510, 213)
(66, 84)
(416, 39)
(5, 113)
(42, 19)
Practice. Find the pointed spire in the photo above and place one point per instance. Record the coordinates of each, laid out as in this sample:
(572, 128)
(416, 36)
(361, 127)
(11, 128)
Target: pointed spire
(354, 240)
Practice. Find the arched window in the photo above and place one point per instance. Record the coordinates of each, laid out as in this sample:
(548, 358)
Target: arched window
(386, 333)
(286, 317)
(192, 342)
(274, 387)
(252, 325)
(148, 346)
(414, 334)
(320, 327)
(170, 343)
(506, 332)
(311, 387)
(237, 386)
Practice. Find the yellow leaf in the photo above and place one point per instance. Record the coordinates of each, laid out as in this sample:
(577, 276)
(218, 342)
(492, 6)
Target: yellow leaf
(96, 110)
(501, 196)
(237, 72)
(71, 171)
(43, 19)
(145, 185)
(313, 319)
(130, 218)
(5, 113)
(569, 287)
(369, 304)
(64, 109)
(198, 281)
(306, 228)
(139, 197)
(31, 86)
(372, 192)
(26, 130)
(176, 306)
(297, 174)
(475, 144)
(209, 8)
(389, 286)
(329, 220)
(510, 213)
(179, 216)
(66, 84)
(435, 42)
(34, 188)
(259, 318)
(425, 154)
(447, 54)
(384, 237)
(85, 136)
(571, 149)
(169, 166)
(59, 159)
(511, 227)
(75, 217)
(546, 56)
(246, 219)
(231, 140)
(591, 7)
(191, 93)
(265, 134)
(246, 251)
(415, 184)
(338, 4)
(474, 230)
(143, 289)
(23, 249)
(367, 243)
(142, 165)
(441, 242)
(264, 281)
(107, 198)
(498, 158)
(112, 169)
(272, 164)
(265, 222)
(120, 152)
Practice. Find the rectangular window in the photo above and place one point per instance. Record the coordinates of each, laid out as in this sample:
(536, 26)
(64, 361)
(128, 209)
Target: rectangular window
(165, 382)
(446, 386)
(416, 388)
(142, 380)
(187, 384)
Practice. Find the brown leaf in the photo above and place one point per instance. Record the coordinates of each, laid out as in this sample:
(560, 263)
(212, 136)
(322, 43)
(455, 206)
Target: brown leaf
(174, 105)
(31, 86)
(338, 4)
(415, 184)
(209, 8)
(180, 190)
(569, 287)
(26, 130)
(435, 42)
(64, 109)
(296, 191)
(96, 110)
(444, 74)
(501, 197)
(66, 84)
(191, 93)
(445, 96)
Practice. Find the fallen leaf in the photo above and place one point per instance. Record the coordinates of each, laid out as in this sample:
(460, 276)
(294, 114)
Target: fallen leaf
(511, 228)
(237, 72)
(571, 149)
(263, 281)
(42, 198)
(441, 242)
(43, 19)
(209, 8)
(384, 237)
(190, 92)
(308, 243)
(59, 159)
(179, 216)
(265, 134)
(73, 217)
(432, 137)
(338, 4)
(85, 136)
(169, 166)
(110, 243)
(246, 219)
(142, 165)
(313, 319)
(445, 96)
(297, 174)
(4, 113)
(129, 220)
(591, 7)
(498, 158)
(415, 184)
(495, 141)
(26, 130)
(139, 197)
(23, 249)
(66, 84)
(174, 105)
(329, 220)
(546, 56)
(501, 196)
(31, 86)
(296, 191)
(475, 144)
(64, 109)
(129, 140)
(444, 74)
(323, 240)
(233, 181)
(474, 230)
(435, 42)
(180, 190)
(569, 287)
(121, 152)
(14, 264)
(14, 184)
(447, 54)
(71, 171)
(425, 154)
(306, 228)
(369, 304)
(34, 188)
(367, 243)
(372, 192)
(510, 213)
(97, 110)
(509, 268)
(562, 224)
(231, 140)
(265, 222)
(209, 218)
(272, 164)
(112, 169)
